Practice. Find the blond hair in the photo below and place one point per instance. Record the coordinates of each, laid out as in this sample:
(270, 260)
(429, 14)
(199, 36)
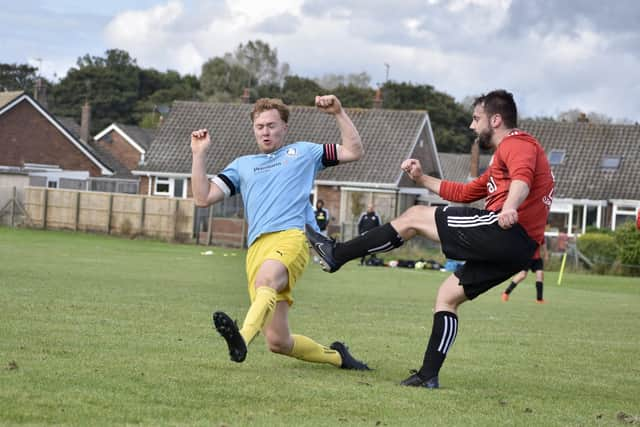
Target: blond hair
(265, 104)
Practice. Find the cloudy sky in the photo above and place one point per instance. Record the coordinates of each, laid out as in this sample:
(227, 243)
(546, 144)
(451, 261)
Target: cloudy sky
(554, 55)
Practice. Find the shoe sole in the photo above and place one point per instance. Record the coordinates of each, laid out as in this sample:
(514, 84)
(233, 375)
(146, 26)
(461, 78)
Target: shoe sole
(229, 331)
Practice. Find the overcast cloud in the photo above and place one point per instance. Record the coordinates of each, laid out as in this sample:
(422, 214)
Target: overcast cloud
(554, 55)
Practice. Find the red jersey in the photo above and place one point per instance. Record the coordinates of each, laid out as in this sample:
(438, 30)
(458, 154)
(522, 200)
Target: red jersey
(519, 156)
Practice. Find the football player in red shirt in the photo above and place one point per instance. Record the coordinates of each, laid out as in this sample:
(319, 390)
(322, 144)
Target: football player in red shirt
(495, 242)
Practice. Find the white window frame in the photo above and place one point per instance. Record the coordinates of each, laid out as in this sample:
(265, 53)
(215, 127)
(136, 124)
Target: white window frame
(162, 180)
(623, 209)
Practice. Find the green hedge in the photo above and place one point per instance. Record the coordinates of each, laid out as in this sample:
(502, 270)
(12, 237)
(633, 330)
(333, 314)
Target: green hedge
(613, 252)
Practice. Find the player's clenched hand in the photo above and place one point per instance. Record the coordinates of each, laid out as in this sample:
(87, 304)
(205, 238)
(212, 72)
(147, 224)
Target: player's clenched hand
(507, 218)
(413, 168)
(329, 104)
(200, 141)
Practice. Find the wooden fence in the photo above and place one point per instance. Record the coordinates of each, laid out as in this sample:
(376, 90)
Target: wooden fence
(111, 213)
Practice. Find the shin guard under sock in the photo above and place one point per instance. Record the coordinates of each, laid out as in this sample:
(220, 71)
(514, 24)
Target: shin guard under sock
(304, 348)
(259, 313)
(379, 239)
(443, 334)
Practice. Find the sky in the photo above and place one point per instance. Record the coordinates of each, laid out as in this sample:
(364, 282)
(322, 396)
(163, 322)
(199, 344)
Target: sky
(553, 55)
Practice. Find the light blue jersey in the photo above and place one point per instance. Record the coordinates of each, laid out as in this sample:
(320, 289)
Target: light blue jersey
(275, 187)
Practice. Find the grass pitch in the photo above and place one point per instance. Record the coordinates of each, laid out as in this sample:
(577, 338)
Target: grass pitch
(96, 330)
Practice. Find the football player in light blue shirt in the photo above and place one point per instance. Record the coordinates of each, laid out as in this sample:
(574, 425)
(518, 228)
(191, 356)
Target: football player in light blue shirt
(275, 185)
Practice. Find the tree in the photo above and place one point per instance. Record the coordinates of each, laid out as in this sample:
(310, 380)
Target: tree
(352, 96)
(223, 81)
(449, 119)
(300, 91)
(110, 84)
(17, 77)
(253, 66)
(332, 81)
(118, 90)
(261, 61)
(575, 115)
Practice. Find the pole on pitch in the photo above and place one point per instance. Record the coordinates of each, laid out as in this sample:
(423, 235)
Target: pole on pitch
(564, 260)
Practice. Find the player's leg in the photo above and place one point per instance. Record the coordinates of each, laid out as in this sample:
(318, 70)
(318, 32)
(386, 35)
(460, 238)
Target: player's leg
(268, 282)
(271, 279)
(415, 220)
(539, 283)
(514, 282)
(280, 340)
(443, 334)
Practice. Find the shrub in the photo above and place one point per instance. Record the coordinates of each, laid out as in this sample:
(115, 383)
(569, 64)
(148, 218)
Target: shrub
(627, 238)
(600, 248)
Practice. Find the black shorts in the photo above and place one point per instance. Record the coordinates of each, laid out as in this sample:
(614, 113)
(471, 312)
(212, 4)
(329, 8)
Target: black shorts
(536, 264)
(491, 253)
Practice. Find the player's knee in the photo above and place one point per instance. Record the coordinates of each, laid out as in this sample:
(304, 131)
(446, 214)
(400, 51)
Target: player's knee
(267, 280)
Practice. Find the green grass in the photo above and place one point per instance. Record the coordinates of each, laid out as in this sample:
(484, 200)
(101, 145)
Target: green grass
(96, 330)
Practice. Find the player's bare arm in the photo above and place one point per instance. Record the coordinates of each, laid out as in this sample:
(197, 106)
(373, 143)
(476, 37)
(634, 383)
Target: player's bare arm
(351, 148)
(413, 168)
(204, 193)
(518, 192)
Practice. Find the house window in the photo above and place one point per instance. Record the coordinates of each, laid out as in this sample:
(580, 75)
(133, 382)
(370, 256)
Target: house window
(610, 162)
(558, 222)
(576, 223)
(178, 187)
(163, 186)
(52, 184)
(592, 216)
(556, 157)
(622, 214)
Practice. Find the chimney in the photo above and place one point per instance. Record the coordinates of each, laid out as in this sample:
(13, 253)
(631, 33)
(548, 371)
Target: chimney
(85, 122)
(40, 93)
(474, 166)
(245, 98)
(377, 100)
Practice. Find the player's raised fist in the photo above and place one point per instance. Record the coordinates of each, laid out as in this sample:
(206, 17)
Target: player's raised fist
(413, 168)
(329, 104)
(200, 140)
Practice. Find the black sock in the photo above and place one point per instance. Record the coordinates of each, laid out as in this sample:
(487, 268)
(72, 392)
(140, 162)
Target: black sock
(380, 239)
(511, 287)
(443, 334)
(539, 291)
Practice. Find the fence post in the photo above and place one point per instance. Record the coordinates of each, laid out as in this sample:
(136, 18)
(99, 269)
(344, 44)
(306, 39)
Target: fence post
(77, 211)
(13, 205)
(196, 223)
(45, 202)
(175, 218)
(142, 213)
(210, 234)
(109, 214)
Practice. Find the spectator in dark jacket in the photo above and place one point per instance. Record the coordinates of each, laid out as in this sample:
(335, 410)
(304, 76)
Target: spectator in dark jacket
(368, 220)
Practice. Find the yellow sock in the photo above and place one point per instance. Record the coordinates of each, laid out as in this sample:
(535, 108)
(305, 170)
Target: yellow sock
(306, 349)
(259, 314)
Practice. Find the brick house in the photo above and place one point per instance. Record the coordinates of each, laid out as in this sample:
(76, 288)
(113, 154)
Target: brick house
(33, 140)
(127, 143)
(389, 137)
(58, 152)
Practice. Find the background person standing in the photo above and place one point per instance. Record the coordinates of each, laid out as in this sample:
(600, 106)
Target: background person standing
(368, 221)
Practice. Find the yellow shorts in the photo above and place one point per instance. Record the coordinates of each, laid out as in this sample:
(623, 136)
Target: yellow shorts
(289, 247)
